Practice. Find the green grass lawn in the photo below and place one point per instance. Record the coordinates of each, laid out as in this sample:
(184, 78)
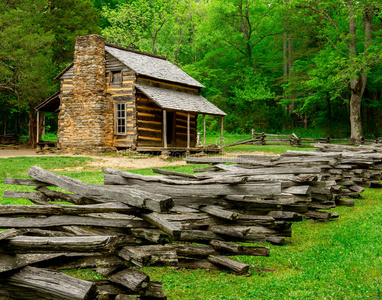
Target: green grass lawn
(232, 138)
(341, 259)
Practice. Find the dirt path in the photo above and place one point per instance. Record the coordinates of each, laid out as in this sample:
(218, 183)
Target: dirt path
(117, 162)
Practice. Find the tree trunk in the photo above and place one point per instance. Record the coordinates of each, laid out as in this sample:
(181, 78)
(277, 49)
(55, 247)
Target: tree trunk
(358, 84)
(32, 128)
(355, 108)
(285, 54)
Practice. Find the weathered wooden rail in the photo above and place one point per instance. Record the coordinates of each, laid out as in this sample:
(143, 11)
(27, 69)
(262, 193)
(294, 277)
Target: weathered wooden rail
(196, 221)
(296, 141)
(9, 139)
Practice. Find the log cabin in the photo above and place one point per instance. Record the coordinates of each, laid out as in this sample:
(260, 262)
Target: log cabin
(116, 98)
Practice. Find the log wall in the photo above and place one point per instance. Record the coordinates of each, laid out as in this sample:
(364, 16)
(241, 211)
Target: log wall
(149, 122)
(150, 119)
(181, 129)
(150, 125)
(122, 92)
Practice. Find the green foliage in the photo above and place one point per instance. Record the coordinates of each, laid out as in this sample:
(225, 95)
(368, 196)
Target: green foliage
(67, 19)
(137, 24)
(26, 68)
(271, 65)
(37, 40)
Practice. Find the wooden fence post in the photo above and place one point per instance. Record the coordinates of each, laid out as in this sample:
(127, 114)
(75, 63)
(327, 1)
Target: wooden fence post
(164, 128)
(204, 131)
(221, 133)
(188, 130)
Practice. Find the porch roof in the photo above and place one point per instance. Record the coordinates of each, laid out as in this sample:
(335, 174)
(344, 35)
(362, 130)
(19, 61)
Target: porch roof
(180, 101)
(52, 104)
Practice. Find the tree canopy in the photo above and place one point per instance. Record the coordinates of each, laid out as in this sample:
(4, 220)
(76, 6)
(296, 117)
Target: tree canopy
(271, 65)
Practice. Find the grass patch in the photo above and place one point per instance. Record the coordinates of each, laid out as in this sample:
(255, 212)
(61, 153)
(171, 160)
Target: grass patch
(228, 139)
(17, 167)
(85, 274)
(277, 149)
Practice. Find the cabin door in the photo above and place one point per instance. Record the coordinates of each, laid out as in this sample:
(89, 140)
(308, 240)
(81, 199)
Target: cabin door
(170, 120)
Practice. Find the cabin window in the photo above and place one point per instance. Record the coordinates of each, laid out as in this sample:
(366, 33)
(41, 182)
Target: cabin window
(116, 77)
(120, 118)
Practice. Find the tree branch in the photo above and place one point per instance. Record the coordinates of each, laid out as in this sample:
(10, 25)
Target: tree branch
(233, 45)
(264, 15)
(264, 36)
(5, 87)
(335, 47)
(321, 13)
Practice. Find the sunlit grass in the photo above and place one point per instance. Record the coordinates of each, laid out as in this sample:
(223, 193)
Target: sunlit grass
(229, 139)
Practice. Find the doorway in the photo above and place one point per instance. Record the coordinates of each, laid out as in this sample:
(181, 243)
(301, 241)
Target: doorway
(170, 130)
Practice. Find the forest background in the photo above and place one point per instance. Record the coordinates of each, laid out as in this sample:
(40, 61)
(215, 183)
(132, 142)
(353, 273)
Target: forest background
(278, 66)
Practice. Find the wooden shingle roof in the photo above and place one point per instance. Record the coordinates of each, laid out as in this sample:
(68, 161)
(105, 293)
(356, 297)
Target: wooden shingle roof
(180, 101)
(152, 66)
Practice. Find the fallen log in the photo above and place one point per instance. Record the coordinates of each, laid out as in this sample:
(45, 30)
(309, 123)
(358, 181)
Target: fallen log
(238, 267)
(236, 171)
(318, 215)
(198, 236)
(10, 233)
(58, 196)
(154, 291)
(54, 221)
(276, 240)
(27, 244)
(285, 215)
(228, 247)
(173, 173)
(165, 180)
(87, 261)
(28, 182)
(152, 235)
(160, 222)
(219, 212)
(55, 209)
(13, 262)
(136, 198)
(34, 283)
(184, 191)
(201, 264)
(137, 256)
(112, 290)
(133, 279)
(34, 197)
(237, 231)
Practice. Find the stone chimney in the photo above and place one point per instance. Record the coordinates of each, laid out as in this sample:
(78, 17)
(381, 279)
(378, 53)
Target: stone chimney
(84, 110)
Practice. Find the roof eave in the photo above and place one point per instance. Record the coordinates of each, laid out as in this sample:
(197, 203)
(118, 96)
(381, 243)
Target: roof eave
(170, 81)
(42, 104)
(63, 71)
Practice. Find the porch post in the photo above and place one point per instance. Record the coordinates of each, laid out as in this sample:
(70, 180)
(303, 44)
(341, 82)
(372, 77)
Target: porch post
(204, 131)
(221, 133)
(188, 130)
(38, 127)
(164, 129)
